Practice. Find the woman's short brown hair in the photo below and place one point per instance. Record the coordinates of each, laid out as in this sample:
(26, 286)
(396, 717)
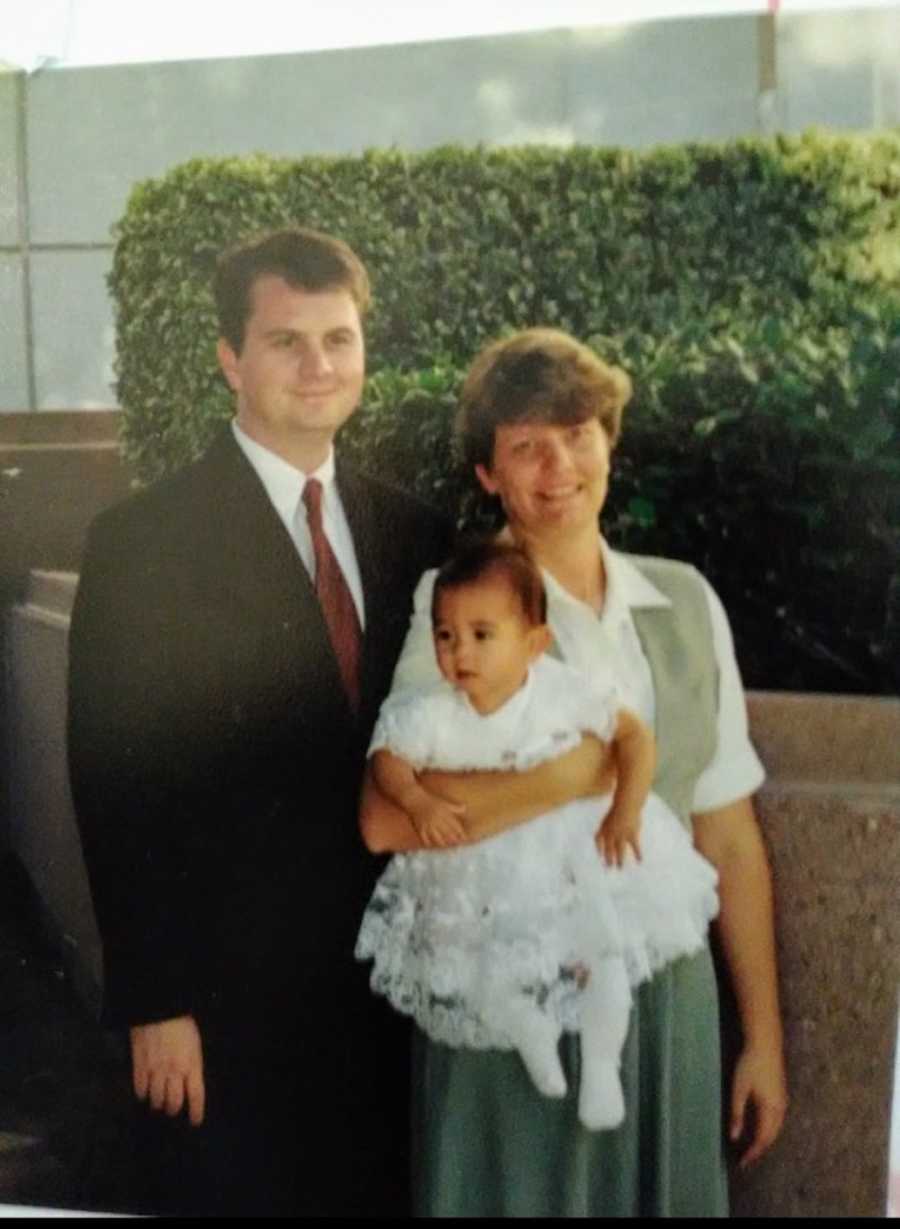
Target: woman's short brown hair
(537, 375)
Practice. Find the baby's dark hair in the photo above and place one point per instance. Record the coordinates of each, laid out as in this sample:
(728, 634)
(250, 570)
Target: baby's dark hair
(479, 560)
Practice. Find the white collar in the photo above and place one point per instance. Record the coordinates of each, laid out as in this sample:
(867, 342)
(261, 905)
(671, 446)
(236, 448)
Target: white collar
(283, 482)
(508, 711)
(626, 584)
(626, 587)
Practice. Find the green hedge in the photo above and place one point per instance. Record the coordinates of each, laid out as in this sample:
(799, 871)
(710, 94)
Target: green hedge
(750, 289)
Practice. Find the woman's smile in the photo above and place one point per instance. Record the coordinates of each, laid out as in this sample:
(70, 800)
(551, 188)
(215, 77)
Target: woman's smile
(561, 494)
(549, 475)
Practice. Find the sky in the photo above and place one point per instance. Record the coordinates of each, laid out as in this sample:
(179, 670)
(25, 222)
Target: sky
(74, 33)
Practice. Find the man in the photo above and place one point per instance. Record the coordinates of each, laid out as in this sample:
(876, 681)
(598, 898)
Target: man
(234, 631)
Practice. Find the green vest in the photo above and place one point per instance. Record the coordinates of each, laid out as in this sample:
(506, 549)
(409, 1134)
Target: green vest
(678, 644)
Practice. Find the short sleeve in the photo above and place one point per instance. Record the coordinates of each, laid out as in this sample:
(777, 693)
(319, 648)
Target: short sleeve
(735, 771)
(405, 726)
(417, 664)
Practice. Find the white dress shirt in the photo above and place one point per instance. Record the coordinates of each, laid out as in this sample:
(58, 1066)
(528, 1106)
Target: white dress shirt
(284, 486)
(611, 638)
(608, 645)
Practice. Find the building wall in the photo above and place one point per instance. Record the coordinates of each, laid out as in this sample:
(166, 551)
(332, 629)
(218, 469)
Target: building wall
(73, 142)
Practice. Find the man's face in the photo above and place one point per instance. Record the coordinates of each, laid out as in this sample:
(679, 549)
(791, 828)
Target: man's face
(299, 375)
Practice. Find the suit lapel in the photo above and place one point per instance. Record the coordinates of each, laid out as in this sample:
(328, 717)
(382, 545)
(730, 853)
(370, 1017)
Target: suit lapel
(376, 554)
(246, 529)
(367, 545)
(252, 554)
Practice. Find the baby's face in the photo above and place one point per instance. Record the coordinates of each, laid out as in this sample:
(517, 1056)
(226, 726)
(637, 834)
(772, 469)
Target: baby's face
(484, 642)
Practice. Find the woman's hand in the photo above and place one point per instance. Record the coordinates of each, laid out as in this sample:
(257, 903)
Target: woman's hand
(619, 832)
(758, 1101)
(730, 838)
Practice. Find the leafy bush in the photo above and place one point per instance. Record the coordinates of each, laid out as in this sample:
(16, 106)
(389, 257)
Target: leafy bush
(768, 459)
(750, 289)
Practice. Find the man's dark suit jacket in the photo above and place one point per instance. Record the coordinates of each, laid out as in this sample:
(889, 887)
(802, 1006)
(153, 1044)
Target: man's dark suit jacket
(215, 770)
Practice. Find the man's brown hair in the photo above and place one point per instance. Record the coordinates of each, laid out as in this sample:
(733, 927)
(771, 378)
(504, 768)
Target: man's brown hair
(305, 259)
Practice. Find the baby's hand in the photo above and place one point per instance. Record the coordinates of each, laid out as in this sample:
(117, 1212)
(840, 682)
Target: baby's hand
(438, 822)
(619, 831)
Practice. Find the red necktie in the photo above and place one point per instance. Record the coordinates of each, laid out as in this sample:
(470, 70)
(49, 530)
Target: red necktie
(334, 596)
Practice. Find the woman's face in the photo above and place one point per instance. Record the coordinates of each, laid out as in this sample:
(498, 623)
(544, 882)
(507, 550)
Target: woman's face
(549, 476)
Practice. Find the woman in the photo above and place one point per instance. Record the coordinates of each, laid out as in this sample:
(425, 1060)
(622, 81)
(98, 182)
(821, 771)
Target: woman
(539, 419)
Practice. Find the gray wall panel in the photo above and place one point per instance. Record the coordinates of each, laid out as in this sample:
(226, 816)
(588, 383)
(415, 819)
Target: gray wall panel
(640, 126)
(94, 132)
(74, 340)
(665, 81)
(9, 169)
(13, 368)
(840, 70)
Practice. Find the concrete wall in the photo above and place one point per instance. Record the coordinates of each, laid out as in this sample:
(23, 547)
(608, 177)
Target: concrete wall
(73, 142)
(830, 812)
(42, 829)
(57, 471)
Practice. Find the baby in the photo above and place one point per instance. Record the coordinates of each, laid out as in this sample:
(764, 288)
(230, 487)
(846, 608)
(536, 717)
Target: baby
(548, 925)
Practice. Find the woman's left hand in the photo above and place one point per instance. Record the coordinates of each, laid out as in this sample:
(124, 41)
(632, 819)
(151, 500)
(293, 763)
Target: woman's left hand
(730, 838)
(758, 1101)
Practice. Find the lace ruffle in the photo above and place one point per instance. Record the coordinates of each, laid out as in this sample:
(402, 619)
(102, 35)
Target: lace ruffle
(525, 916)
(438, 728)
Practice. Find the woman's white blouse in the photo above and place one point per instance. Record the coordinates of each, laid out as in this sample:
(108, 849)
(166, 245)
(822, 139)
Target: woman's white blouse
(607, 646)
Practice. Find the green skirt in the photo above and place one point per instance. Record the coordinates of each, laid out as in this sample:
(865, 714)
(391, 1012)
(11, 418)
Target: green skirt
(486, 1143)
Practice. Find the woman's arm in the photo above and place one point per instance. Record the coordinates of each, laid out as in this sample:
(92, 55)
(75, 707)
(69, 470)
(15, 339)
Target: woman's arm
(730, 838)
(493, 801)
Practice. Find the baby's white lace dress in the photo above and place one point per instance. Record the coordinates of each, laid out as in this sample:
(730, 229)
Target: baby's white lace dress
(452, 933)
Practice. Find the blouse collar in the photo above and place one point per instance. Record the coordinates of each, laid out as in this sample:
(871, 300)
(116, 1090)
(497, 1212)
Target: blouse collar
(626, 588)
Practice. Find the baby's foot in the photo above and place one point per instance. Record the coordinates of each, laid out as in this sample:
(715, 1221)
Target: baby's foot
(601, 1105)
(539, 1048)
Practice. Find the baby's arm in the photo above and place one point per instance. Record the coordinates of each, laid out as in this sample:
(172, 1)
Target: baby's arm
(493, 801)
(436, 820)
(634, 751)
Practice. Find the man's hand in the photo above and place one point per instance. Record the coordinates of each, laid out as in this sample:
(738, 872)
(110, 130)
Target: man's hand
(620, 830)
(167, 1065)
(759, 1082)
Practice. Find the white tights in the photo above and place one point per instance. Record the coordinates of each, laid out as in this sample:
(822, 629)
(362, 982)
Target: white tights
(605, 1004)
